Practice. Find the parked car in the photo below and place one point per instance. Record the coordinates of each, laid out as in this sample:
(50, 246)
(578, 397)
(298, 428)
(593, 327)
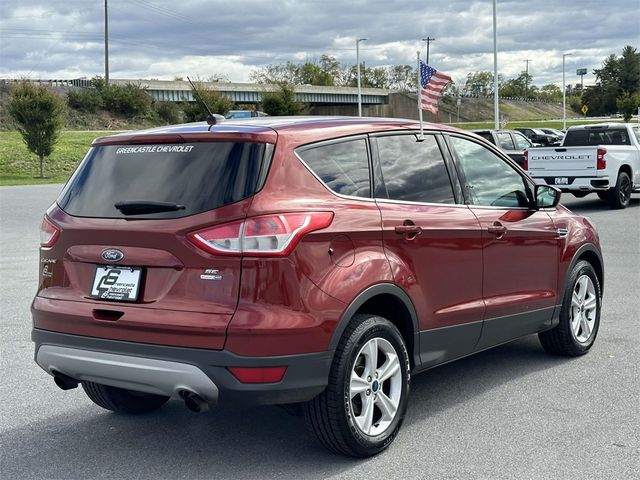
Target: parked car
(316, 263)
(602, 158)
(510, 142)
(244, 114)
(538, 136)
(558, 135)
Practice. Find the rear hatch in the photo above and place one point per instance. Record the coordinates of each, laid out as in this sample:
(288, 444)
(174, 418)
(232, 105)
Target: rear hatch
(123, 267)
(563, 161)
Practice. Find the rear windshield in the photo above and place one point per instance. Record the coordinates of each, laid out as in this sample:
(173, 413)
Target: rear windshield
(596, 136)
(196, 176)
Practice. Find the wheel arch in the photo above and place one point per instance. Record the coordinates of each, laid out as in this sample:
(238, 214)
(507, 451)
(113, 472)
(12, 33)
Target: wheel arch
(626, 168)
(391, 302)
(591, 254)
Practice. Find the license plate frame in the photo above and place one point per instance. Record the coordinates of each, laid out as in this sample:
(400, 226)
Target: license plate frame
(116, 283)
(561, 181)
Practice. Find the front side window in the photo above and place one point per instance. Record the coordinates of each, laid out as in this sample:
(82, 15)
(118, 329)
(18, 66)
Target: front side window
(489, 180)
(343, 167)
(521, 141)
(413, 170)
(636, 132)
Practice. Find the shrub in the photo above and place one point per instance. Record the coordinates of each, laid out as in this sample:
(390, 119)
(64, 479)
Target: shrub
(85, 99)
(194, 112)
(169, 112)
(130, 99)
(282, 101)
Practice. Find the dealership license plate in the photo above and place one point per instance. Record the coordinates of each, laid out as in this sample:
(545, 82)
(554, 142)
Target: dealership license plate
(562, 181)
(116, 283)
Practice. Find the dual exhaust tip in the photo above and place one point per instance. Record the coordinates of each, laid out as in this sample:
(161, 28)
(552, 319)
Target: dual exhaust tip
(192, 401)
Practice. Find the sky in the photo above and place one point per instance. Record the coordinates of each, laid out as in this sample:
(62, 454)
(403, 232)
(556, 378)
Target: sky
(200, 38)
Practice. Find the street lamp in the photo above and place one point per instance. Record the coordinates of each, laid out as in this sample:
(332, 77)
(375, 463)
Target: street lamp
(358, 67)
(564, 92)
(496, 107)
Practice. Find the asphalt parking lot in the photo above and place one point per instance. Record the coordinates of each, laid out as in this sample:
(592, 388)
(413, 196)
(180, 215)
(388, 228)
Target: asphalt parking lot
(511, 412)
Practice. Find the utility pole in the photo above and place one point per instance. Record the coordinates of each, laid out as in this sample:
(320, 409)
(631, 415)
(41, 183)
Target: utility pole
(428, 40)
(106, 44)
(358, 70)
(526, 80)
(496, 108)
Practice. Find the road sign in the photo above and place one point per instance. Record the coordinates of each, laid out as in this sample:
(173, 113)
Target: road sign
(584, 109)
(581, 71)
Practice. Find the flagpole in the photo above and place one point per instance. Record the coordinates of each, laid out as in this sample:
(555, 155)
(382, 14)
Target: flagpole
(419, 94)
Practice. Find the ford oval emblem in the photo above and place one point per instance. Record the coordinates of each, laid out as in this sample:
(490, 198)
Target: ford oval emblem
(112, 255)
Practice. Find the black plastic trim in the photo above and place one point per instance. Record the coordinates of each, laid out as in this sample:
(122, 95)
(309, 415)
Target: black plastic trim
(306, 375)
(368, 294)
(587, 247)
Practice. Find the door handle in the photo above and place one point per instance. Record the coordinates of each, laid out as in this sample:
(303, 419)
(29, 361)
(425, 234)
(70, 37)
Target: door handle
(405, 229)
(497, 229)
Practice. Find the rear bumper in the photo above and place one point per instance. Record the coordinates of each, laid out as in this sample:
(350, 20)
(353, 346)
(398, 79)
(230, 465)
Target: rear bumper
(168, 370)
(580, 184)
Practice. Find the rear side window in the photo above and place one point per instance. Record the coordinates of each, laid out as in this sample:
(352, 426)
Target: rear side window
(504, 139)
(414, 171)
(343, 167)
(486, 136)
(200, 176)
(596, 136)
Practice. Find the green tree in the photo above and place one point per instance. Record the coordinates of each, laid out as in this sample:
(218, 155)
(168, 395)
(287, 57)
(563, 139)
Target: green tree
(282, 101)
(478, 83)
(628, 104)
(217, 103)
(629, 68)
(39, 114)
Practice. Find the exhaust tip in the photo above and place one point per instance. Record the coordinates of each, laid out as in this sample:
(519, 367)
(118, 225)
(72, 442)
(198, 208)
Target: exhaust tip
(194, 402)
(64, 382)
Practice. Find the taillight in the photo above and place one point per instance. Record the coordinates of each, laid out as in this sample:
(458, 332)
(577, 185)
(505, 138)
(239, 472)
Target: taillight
(601, 163)
(48, 233)
(266, 235)
(258, 374)
(525, 163)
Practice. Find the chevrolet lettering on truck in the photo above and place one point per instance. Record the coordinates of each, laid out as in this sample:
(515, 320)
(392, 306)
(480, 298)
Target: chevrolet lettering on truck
(602, 159)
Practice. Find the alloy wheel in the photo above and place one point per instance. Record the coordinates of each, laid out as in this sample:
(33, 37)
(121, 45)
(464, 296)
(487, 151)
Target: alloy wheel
(584, 304)
(375, 386)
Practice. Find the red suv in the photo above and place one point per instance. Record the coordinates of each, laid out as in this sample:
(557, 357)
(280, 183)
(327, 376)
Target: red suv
(309, 262)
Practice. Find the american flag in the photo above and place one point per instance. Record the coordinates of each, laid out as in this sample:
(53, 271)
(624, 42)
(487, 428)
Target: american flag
(432, 84)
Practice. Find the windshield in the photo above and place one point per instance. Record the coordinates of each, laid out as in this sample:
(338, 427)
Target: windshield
(177, 180)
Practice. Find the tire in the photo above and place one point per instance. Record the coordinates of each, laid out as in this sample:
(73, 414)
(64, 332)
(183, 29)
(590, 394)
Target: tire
(122, 401)
(579, 314)
(620, 195)
(603, 195)
(338, 418)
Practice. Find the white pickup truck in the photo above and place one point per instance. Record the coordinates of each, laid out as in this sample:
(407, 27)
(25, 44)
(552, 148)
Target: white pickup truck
(601, 158)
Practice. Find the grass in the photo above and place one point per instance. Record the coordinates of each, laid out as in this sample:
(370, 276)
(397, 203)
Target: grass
(18, 166)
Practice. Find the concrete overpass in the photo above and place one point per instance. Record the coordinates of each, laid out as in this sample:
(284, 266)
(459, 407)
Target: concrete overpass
(179, 91)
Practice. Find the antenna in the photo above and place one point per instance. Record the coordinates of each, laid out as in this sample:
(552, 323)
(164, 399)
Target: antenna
(212, 119)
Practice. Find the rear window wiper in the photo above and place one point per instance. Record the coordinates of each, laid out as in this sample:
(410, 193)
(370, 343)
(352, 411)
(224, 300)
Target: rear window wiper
(139, 207)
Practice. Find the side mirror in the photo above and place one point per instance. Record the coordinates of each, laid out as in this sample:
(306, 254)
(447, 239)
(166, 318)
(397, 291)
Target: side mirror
(547, 196)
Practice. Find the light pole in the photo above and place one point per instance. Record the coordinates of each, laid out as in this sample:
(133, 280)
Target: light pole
(564, 93)
(496, 108)
(106, 44)
(358, 70)
(428, 40)
(526, 80)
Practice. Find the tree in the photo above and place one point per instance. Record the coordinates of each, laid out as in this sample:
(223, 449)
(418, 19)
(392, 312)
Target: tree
(217, 103)
(629, 68)
(282, 101)
(478, 83)
(628, 104)
(39, 114)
